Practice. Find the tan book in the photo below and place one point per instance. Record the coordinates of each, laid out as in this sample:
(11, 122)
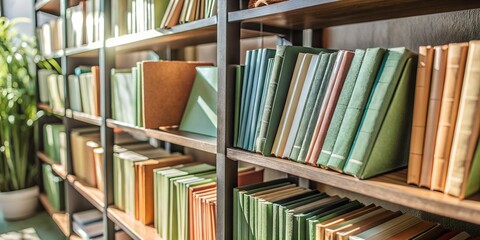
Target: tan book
(321, 227)
(175, 14)
(351, 229)
(89, 161)
(98, 159)
(294, 92)
(166, 87)
(413, 231)
(420, 108)
(387, 233)
(433, 233)
(457, 56)
(82, 168)
(383, 228)
(467, 127)
(96, 90)
(433, 115)
(324, 123)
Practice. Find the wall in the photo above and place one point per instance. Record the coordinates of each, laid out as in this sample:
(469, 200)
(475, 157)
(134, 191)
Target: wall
(20, 8)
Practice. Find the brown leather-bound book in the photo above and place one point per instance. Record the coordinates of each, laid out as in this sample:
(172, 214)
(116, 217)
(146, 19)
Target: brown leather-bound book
(323, 108)
(144, 184)
(96, 90)
(433, 233)
(422, 93)
(250, 177)
(361, 226)
(413, 231)
(457, 57)
(320, 228)
(448, 235)
(332, 103)
(433, 115)
(166, 87)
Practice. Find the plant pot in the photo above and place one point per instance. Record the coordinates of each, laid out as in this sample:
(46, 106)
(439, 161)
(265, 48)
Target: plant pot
(20, 204)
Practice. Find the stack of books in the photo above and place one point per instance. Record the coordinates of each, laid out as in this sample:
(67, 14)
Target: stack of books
(444, 152)
(143, 15)
(344, 110)
(55, 143)
(280, 209)
(54, 188)
(50, 37)
(83, 23)
(51, 89)
(154, 93)
(84, 90)
(89, 225)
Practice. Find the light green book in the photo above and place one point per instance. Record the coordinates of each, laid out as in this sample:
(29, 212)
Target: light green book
(341, 107)
(43, 84)
(137, 73)
(312, 121)
(51, 140)
(74, 93)
(238, 92)
(356, 105)
(249, 67)
(54, 189)
(252, 88)
(376, 148)
(120, 79)
(262, 101)
(279, 82)
(200, 115)
(86, 92)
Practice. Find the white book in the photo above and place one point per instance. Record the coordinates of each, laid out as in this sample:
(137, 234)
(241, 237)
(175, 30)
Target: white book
(89, 22)
(43, 84)
(47, 39)
(312, 69)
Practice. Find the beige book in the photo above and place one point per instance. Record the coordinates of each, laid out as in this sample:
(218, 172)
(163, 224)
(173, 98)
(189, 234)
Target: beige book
(382, 228)
(294, 92)
(420, 108)
(457, 56)
(467, 126)
(331, 231)
(461, 236)
(436, 91)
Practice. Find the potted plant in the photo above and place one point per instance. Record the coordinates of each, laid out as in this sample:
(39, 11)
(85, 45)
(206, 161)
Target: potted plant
(18, 113)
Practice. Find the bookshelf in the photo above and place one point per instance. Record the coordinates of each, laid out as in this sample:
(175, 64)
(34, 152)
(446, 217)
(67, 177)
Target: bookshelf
(232, 24)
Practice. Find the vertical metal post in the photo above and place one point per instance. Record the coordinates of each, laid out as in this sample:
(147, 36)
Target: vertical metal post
(106, 62)
(228, 45)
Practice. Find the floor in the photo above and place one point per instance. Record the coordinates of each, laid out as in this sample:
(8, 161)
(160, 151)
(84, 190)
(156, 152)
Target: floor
(41, 221)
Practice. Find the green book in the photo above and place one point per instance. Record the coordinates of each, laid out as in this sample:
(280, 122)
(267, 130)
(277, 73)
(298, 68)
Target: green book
(376, 148)
(51, 140)
(160, 9)
(200, 115)
(86, 92)
(74, 93)
(279, 83)
(309, 105)
(82, 69)
(42, 77)
(341, 107)
(368, 71)
(120, 79)
(311, 222)
(262, 102)
(473, 183)
(238, 94)
(252, 88)
(137, 73)
(249, 67)
(312, 121)
(54, 189)
(258, 91)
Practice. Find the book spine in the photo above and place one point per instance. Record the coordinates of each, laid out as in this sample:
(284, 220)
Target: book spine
(248, 107)
(238, 93)
(375, 113)
(466, 130)
(356, 106)
(341, 107)
(420, 108)
(262, 103)
(457, 55)
(436, 91)
(248, 57)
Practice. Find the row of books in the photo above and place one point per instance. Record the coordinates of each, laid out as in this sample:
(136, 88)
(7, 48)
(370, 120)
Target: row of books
(169, 190)
(84, 90)
(83, 23)
(281, 210)
(50, 37)
(88, 225)
(166, 93)
(444, 152)
(51, 89)
(344, 110)
(53, 186)
(143, 15)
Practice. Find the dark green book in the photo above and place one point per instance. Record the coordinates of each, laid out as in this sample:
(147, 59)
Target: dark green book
(311, 123)
(279, 84)
(252, 88)
(341, 107)
(238, 92)
(356, 105)
(262, 102)
(378, 146)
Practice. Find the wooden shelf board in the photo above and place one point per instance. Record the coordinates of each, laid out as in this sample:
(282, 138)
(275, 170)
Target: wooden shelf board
(74, 236)
(132, 227)
(55, 54)
(193, 33)
(83, 117)
(316, 14)
(92, 194)
(62, 221)
(88, 50)
(391, 187)
(48, 6)
(56, 167)
(191, 140)
(45, 107)
(46, 204)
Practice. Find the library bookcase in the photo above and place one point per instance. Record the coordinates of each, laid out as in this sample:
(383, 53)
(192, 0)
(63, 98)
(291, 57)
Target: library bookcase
(288, 19)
